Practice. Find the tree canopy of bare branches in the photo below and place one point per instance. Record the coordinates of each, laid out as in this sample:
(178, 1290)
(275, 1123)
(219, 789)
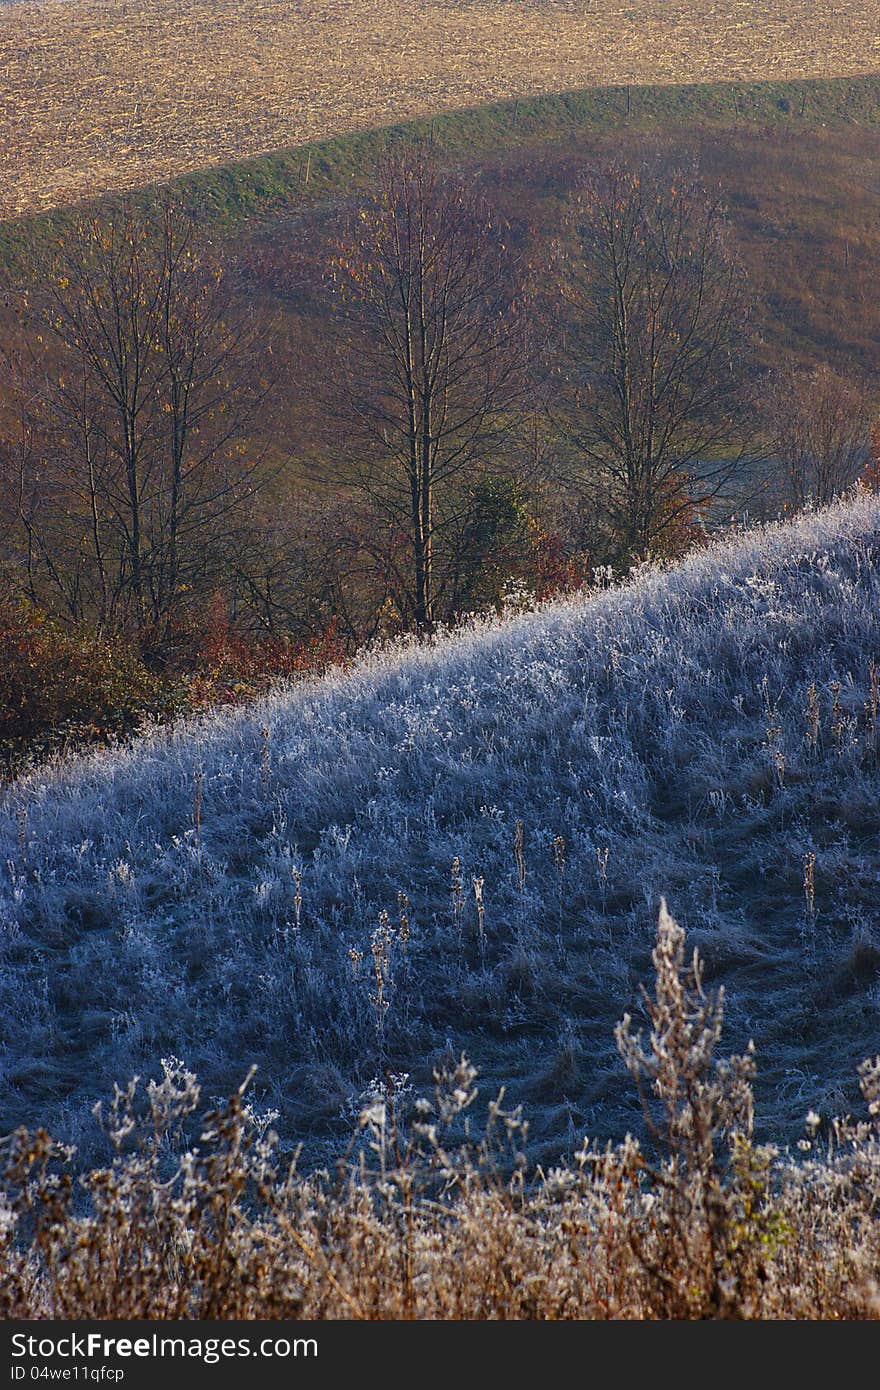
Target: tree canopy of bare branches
(819, 434)
(655, 353)
(433, 354)
(133, 447)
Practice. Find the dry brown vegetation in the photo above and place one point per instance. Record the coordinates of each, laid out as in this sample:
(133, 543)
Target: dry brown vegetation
(423, 1222)
(101, 94)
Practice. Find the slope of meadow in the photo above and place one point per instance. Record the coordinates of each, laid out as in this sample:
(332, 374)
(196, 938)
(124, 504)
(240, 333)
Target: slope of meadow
(709, 733)
(98, 95)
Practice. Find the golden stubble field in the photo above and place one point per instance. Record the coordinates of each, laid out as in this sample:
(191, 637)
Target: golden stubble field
(102, 94)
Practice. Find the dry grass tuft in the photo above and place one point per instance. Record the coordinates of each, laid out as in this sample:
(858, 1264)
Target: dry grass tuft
(97, 95)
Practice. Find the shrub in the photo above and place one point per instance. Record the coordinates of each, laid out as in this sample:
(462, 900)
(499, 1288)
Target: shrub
(218, 661)
(60, 689)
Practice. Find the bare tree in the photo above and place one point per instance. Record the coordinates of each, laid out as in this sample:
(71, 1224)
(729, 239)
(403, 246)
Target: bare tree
(819, 432)
(145, 395)
(433, 355)
(654, 351)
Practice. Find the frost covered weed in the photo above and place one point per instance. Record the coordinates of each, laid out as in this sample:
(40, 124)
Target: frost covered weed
(456, 846)
(428, 1218)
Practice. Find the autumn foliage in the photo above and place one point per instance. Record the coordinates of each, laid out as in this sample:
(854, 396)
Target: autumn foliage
(63, 688)
(220, 662)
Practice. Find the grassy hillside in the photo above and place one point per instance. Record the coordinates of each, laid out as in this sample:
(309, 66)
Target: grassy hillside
(801, 196)
(294, 885)
(796, 161)
(105, 94)
(263, 187)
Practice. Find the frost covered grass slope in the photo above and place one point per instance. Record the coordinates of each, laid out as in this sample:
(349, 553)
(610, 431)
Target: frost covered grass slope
(709, 733)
